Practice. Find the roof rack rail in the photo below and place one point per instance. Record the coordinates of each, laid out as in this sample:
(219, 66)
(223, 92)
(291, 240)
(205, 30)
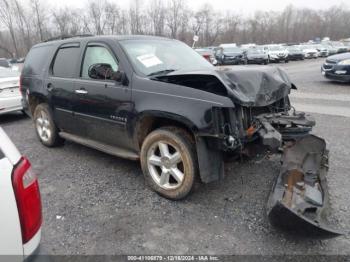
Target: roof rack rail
(61, 37)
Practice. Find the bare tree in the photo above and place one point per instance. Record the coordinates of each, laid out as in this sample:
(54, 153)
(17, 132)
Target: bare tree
(174, 16)
(7, 18)
(135, 17)
(23, 25)
(39, 17)
(112, 17)
(98, 16)
(157, 13)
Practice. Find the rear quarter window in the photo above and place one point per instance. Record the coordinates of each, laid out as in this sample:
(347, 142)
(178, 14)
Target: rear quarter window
(36, 60)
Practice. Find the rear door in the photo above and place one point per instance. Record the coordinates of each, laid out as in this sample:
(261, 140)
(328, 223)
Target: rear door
(61, 86)
(102, 104)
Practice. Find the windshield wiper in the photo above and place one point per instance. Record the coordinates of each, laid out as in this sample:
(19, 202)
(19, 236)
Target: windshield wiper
(162, 72)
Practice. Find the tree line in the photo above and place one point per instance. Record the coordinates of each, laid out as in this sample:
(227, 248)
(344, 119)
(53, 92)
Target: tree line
(23, 24)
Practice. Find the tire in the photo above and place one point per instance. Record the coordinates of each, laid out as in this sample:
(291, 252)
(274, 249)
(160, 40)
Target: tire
(179, 143)
(286, 61)
(45, 127)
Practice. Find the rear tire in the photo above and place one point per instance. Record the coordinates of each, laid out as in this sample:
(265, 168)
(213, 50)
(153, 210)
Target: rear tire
(169, 162)
(45, 127)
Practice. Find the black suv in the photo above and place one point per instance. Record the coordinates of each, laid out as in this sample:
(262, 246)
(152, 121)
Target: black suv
(159, 101)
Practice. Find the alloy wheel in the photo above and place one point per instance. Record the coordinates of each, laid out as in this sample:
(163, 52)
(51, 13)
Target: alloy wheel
(165, 165)
(43, 126)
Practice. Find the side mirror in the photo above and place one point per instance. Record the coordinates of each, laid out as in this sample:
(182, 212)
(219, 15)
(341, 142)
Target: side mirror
(121, 77)
(100, 71)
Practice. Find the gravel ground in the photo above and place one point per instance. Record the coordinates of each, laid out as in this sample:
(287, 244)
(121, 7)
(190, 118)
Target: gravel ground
(94, 203)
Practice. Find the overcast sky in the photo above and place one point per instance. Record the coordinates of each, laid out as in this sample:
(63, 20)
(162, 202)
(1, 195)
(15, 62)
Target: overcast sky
(241, 6)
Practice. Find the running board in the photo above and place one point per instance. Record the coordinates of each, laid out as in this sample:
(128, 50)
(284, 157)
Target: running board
(115, 151)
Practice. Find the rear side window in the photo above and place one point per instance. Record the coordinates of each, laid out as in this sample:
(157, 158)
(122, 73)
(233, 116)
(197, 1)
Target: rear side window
(65, 63)
(36, 60)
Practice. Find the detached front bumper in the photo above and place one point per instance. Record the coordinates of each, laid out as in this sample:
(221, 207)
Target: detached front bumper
(299, 200)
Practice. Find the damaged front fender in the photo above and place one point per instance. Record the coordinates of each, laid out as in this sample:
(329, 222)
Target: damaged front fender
(299, 200)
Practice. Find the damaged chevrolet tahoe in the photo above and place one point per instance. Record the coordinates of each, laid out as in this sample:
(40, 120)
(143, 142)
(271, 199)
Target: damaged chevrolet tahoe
(157, 101)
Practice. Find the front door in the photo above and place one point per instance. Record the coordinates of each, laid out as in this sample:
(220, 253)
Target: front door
(103, 104)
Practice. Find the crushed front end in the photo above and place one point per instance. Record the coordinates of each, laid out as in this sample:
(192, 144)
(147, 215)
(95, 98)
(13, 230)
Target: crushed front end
(299, 198)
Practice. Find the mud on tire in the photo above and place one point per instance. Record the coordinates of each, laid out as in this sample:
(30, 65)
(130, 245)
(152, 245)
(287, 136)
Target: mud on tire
(155, 163)
(45, 127)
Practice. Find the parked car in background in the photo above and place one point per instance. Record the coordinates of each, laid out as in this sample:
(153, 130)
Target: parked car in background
(331, 50)
(276, 53)
(337, 67)
(208, 55)
(10, 95)
(340, 47)
(5, 63)
(229, 55)
(295, 53)
(322, 50)
(256, 56)
(20, 205)
(309, 51)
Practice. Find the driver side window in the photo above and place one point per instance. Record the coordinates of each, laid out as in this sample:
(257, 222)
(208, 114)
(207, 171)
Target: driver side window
(97, 55)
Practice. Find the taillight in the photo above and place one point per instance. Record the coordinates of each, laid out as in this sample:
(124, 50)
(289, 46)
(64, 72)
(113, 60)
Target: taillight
(26, 188)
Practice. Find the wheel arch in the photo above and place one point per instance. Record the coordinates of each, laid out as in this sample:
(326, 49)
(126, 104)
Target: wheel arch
(148, 121)
(35, 99)
(210, 162)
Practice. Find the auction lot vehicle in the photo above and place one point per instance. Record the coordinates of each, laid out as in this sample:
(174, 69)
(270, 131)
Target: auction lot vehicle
(277, 53)
(322, 50)
(257, 56)
(10, 96)
(309, 51)
(295, 53)
(229, 55)
(21, 218)
(158, 101)
(208, 55)
(337, 67)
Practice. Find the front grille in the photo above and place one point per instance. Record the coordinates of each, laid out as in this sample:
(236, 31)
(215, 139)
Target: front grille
(327, 67)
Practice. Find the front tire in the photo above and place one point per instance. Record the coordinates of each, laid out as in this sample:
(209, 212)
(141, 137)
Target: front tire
(45, 127)
(169, 162)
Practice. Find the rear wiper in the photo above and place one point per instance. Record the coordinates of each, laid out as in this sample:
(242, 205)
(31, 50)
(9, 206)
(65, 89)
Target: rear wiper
(162, 72)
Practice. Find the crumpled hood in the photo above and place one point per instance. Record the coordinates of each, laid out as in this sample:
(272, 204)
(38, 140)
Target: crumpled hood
(256, 86)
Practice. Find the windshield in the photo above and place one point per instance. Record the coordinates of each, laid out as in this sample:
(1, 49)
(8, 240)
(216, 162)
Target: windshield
(232, 50)
(151, 57)
(7, 73)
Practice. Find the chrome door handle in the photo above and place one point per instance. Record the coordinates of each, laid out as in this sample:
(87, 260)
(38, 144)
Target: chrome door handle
(81, 91)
